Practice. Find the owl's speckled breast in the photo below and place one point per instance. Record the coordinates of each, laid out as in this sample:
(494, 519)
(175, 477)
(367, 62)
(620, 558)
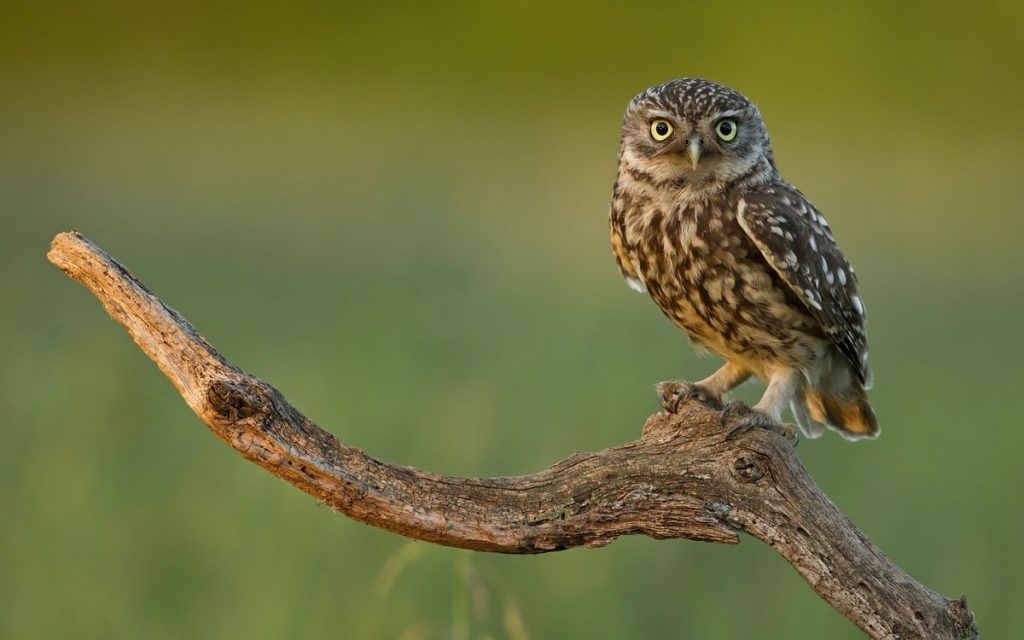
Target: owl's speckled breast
(705, 274)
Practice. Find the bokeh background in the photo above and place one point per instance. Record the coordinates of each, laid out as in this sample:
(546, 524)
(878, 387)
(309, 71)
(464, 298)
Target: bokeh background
(396, 214)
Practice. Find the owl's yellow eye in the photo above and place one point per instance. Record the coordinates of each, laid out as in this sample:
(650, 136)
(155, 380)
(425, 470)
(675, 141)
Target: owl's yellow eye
(660, 129)
(726, 130)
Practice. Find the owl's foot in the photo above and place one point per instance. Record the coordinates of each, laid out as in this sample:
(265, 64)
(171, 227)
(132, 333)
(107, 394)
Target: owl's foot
(740, 418)
(675, 393)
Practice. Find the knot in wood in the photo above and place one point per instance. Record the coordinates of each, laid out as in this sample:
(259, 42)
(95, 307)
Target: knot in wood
(748, 468)
(232, 402)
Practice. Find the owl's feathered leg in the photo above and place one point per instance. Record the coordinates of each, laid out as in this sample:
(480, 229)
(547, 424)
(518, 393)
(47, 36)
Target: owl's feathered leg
(709, 391)
(767, 413)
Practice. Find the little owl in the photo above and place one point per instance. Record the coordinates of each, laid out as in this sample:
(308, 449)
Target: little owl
(739, 260)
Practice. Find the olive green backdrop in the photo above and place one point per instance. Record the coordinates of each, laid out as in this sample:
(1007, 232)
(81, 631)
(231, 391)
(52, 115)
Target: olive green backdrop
(396, 214)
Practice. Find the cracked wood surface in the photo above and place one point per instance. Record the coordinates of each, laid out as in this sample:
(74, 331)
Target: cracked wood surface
(681, 479)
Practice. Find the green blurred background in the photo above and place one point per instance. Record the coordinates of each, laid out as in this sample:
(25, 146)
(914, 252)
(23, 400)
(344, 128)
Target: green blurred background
(396, 214)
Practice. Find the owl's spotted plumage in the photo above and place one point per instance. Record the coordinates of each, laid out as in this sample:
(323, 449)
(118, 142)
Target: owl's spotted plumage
(738, 258)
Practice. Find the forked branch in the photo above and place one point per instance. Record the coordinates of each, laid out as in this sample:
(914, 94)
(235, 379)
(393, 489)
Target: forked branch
(681, 479)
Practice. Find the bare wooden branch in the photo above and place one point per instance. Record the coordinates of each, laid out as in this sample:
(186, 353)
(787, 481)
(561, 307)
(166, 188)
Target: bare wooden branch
(681, 479)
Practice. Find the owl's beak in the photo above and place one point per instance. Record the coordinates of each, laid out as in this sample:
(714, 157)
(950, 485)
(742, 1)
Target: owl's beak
(693, 150)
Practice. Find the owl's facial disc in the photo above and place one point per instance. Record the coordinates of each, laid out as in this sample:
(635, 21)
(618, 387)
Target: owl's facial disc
(695, 132)
(696, 149)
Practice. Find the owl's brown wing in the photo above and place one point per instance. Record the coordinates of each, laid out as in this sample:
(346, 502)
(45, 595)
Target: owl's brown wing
(797, 242)
(625, 265)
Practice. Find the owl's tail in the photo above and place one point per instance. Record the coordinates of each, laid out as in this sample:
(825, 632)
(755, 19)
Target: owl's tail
(840, 404)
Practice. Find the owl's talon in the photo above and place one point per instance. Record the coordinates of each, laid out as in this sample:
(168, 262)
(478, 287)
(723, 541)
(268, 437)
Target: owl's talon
(740, 418)
(673, 394)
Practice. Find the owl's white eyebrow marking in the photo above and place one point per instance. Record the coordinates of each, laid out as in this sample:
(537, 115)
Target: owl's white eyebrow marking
(659, 113)
(729, 113)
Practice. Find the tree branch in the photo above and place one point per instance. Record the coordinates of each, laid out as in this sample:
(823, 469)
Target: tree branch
(681, 479)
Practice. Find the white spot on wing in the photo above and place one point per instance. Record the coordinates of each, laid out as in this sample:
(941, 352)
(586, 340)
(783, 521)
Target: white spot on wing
(858, 305)
(812, 299)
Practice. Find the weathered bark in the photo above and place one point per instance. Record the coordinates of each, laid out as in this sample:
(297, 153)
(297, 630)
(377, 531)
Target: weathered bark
(681, 479)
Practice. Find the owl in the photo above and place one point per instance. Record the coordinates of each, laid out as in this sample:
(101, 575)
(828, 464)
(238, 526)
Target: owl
(740, 260)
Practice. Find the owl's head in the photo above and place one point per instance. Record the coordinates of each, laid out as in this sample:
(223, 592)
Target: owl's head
(694, 132)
